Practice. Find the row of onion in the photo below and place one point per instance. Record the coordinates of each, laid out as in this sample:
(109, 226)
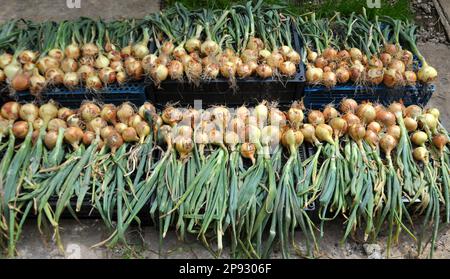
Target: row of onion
(239, 42)
(361, 51)
(221, 173)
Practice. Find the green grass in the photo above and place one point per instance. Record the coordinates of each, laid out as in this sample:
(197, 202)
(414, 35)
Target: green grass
(397, 9)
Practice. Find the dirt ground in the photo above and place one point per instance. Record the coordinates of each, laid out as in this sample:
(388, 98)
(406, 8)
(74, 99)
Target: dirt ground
(79, 237)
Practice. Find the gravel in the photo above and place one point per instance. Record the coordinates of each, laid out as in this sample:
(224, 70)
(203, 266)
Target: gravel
(430, 28)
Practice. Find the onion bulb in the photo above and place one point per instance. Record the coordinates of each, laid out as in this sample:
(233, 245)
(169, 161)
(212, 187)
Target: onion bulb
(29, 112)
(20, 129)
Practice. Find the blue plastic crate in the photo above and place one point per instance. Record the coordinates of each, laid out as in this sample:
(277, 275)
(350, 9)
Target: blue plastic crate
(317, 97)
(133, 92)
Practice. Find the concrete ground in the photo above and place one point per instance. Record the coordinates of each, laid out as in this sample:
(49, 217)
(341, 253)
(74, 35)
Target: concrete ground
(79, 237)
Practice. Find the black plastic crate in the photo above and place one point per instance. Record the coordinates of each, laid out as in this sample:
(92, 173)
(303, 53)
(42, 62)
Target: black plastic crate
(317, 97)
(133, 92)
(218, 92)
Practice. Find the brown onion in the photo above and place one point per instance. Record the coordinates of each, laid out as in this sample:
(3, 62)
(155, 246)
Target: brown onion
(89, 111)
(109, 113)
(20, 129)
(316, 117)
(50, 139)
(394, 131)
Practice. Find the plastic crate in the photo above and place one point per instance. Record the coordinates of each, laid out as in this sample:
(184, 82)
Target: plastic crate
(133, 92)
(250, 90)
(319, 96)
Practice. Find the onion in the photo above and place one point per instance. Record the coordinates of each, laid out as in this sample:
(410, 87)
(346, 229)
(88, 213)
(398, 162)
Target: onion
(356, 72)
(410, 78)
(351, 118)
(390, 48)
(309, 133)
(275, 59)
(321, 62)
(288, 68)
(106, 131)
(89, 50)
(291, 138)
(193, 71)
(429, 120)
(124, 112)
(440, 141)
(27, 56)
(120, 127)
(125, 52)
(54, 76)
(146, 108)
(12, 69)
(261, 113)
(372, 138)
(386, 58)
(375, 76)
(89, 111)
(255, 43)
(85, 71)
(171, 115)
(374, 126)
(71, 80)
(192, 44)
(311, 55)
(20, 82)
(329, 113)
(243, 70)
(343, 55)
(211, 71)
(143, 130)
(374, 62)
(72, 51)
(342, 75)
(73, 121)
(121, 77)
(356, 54)
(114, 141)
(38, 123)
(73, 135)
(324, 133)
(264, 71)
(396, 108)
(209, 47)
(250, 55)
(231, 139)
(118, 66)
(242, 113)
(420, 154)
(93, 82)
(20, 129)
(397, 65)
(410, 124)
(295, 115)
(427, 74)
(174, 69)
(29, 112)
(5, 60)
(248, 151)
(50, 139)
(406, 57)
(314, 75)
(252, 133)
(388, 143)
(366, 112)
(329, 79)
(69, 65)
(394, 131)
(184, 146)
(88, 61)
(357, 132)
(48, 111)
(435, 112)
(129, 135)
(135, 70)
(413, 111)
(107, 75)
(37, 83)
(316, 117)
(134, 120)
(419, 138)
(294, 57)
(57, 54)
(46, 63)
(386, 117)
(64, 113)
(339, 126)
(55, 124)
(88, 137)
(228, 70)
(102, 61)
(96, 125)
(277, 117)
